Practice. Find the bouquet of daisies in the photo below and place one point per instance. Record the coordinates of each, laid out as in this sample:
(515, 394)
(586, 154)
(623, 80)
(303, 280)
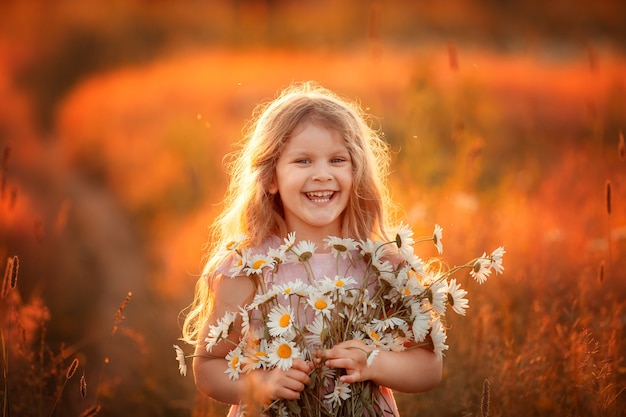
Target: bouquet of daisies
(399, 303)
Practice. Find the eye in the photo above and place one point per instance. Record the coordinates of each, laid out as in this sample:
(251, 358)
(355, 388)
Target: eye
(338, 160)
(303, 161)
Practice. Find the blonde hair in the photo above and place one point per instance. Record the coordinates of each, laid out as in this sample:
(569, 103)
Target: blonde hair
(250, 210)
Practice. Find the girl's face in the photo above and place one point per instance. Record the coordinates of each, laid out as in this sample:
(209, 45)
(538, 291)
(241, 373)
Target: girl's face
(314, 181)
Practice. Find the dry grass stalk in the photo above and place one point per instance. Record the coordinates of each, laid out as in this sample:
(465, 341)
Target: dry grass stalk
(83, 386)
(9, 281)
(14, 271)
(91, 411)
(608, 197)
(4, 162)
(601, 272)
(119, 315)
(485, 400)
(71, 370)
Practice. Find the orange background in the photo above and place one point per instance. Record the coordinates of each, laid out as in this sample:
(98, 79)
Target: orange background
(506, 121)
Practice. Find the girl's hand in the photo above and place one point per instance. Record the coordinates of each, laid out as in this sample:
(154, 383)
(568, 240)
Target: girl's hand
(266, 386)
(352, 356)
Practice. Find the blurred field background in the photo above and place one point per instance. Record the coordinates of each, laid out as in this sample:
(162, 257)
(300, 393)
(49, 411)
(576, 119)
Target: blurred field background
(507, 123)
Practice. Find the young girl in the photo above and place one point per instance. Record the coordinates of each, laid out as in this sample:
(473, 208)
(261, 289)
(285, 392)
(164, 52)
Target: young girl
(309, 164)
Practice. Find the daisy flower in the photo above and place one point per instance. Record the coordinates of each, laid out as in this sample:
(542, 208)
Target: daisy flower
(296, 287)
(240, 259)
(233, 245)
(327, 375)
(415, 262)
(340, 246)
(304, 250)
(421, 321)
(288, 242)
(282, 352)
(372, 250)
(281, 321)
(277, 256)
(481, 269)
(317, 332)
(220, 331)
(437, 295)
(282, 410)
(438, 336)
(496, 260)
(321, 303)
(384, 269)
(371, 355)
(338, 283)
(437, 236)
(180, 357)
(388, 323)
(404, 240)
(262, 298)
(379, 340)
(257, 263)
(413, 285)
(234, 363)
(401, 336)
(245, 320)
(255, 356)
(339, 394)
(456, 298)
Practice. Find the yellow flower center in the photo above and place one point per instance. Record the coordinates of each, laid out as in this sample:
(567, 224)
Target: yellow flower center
(374, 336)
(340, 283)
(287, 290)
(284, 320)
(340, 248)
(407, 291)
(258, 355)
(284, 351)
(321, 304)
(305, 256)
(231, 245)
(450, 299)
(258, 264)
(234, 362)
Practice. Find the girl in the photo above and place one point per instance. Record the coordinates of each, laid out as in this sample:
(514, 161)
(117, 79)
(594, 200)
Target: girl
(309, 164)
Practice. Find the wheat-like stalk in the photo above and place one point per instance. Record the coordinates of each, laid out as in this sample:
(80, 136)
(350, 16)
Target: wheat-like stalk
(71, 370)
(485, 400)
(119, 314)
(92, 411)
(83, 386)
(9, 280)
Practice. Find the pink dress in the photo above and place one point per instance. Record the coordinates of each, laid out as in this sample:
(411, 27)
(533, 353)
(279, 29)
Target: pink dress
(323, 265)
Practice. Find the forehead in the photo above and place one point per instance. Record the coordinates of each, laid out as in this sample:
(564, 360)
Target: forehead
(314, 135)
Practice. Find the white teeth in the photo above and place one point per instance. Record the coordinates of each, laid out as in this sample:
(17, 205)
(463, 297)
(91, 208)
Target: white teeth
(320, 196)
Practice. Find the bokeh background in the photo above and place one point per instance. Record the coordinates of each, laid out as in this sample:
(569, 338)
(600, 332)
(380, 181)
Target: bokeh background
(506, 120)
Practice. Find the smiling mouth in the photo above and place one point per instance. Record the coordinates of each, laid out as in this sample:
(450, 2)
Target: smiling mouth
(320, 197)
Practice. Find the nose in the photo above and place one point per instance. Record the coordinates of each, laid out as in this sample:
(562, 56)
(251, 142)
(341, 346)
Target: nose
(321, 174)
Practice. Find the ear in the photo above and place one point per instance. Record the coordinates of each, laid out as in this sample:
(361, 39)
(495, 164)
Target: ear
(272, 187)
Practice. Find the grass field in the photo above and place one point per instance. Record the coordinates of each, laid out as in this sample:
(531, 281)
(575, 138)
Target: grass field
(523, 149)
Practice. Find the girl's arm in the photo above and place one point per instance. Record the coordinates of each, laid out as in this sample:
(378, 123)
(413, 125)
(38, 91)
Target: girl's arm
(410, 371)
(258, 387)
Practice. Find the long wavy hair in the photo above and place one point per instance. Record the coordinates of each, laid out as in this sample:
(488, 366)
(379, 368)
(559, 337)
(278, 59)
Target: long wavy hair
(250, 210)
